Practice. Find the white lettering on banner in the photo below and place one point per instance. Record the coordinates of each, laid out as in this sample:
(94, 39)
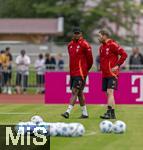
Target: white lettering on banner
(135, 89)
(86, 88)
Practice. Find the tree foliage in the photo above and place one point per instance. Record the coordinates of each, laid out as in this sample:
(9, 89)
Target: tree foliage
(123, 13)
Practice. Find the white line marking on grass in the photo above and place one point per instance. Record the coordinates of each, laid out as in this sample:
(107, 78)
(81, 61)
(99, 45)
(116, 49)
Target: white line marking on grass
(89, 133)
(7, 123)
(14, 113)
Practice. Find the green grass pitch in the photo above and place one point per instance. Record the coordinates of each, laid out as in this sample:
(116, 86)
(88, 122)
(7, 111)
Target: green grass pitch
(93, 139)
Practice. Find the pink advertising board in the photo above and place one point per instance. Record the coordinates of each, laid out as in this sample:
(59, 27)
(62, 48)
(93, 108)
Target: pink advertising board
(130, 88)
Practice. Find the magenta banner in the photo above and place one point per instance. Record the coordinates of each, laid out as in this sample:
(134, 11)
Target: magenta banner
(130, 88)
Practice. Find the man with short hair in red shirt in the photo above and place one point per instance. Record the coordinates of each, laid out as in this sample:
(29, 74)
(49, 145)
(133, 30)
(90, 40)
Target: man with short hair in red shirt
(80, 62)
(112, 56)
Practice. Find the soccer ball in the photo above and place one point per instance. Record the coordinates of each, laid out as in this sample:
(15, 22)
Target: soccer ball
(106, 126)
(65, 131)
(119, 127)
(53, 129)
(59, 127)
(76, 129)
(73, 129)
(80, 130)
(36, 119)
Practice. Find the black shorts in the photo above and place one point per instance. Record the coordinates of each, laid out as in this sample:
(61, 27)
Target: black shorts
(40, 79)
(109, 83)
(77, 82)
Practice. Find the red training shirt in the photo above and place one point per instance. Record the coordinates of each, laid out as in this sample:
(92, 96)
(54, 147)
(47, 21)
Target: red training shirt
(80, 57)
(111, 54)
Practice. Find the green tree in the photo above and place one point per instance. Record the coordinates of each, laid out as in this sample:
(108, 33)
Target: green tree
(123, 13)
(71, 10)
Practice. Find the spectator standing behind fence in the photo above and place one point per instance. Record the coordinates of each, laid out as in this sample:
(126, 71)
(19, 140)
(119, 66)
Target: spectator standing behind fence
(40, 69)
(136, 59)
(3, 67)
(8, 72)
(50, 62)
(4, 74)
(22, 61)
(60, 63)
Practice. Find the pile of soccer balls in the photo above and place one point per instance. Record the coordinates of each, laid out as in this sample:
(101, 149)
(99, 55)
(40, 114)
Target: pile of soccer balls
(37, 125)
(107, 126)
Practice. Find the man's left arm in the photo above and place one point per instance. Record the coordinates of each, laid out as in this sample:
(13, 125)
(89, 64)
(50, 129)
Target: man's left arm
(117, 49)
(88, 53)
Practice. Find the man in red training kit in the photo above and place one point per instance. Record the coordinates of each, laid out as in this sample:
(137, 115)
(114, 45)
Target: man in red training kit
(112, 56)
(80, 62)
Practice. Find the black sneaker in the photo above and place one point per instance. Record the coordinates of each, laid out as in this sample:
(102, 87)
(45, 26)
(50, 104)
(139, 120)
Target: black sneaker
(113, 116)
(106, 116)
(83, 117)
(65, 115)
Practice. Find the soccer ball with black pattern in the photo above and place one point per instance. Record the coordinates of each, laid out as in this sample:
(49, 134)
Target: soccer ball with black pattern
(36, 119)
(119, 127)
(106, 126)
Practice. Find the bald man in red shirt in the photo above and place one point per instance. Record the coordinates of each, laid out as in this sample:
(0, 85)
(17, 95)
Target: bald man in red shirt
(112, 56)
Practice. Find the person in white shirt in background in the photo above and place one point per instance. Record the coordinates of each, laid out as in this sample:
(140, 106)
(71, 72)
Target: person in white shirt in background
(40, 70)
(22, 61)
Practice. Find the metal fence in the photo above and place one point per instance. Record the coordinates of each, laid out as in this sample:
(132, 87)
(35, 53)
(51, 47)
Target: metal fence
(32, 83)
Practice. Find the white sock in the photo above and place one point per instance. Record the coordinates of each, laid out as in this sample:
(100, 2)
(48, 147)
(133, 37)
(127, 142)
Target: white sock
(70, 107)
(84, 110)
(9, 90)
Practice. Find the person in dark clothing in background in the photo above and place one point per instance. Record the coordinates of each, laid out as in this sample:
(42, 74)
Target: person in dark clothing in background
(50, 62)
(60, 62)
(136, 59)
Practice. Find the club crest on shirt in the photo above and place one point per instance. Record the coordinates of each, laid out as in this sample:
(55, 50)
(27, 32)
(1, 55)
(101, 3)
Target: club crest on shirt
(77, 49)
(78, 46)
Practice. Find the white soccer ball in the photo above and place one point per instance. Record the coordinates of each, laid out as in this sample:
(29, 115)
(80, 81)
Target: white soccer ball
(53, 129)
(119, 127)
(73, 129)
(76, 129)
(65, 131)
(36, 119)
(106, 126)
(59, 126)
(80, 130)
